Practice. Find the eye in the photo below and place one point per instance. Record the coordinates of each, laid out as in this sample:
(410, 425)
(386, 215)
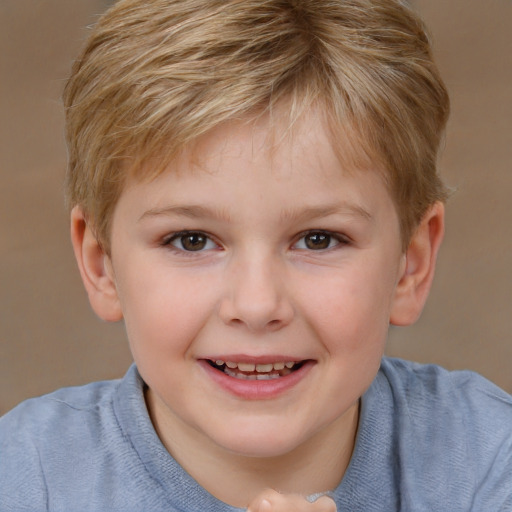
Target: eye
(191, 241)
(319, 241)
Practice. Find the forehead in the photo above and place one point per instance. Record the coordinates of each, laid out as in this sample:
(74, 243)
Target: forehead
(282, 141)
(278, 128)
(240, 165)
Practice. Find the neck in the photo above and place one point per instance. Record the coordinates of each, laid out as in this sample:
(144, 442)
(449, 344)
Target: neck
(317, 465)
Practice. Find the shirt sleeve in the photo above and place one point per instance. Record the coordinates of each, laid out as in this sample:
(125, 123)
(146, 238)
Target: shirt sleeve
(22, 482)
(494, 485)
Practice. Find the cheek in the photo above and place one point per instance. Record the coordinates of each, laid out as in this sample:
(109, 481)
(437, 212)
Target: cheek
(351, 309)
(165, 309)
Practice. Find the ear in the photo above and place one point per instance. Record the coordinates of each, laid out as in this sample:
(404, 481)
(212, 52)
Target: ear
(95, 268)
(418, 268)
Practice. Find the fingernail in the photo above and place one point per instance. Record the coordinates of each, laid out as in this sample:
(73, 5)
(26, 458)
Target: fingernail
(265, 506)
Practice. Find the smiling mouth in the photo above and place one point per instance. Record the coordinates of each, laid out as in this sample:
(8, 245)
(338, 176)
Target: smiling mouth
(252, 371)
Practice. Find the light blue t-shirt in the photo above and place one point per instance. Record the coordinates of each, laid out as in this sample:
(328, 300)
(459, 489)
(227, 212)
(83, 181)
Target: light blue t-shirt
(428, 440)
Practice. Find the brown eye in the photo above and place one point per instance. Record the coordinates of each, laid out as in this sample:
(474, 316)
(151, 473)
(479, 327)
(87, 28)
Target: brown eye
(192, 241)
(317, 241)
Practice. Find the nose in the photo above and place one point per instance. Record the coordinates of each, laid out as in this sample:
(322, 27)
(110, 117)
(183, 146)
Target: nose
(255, 296)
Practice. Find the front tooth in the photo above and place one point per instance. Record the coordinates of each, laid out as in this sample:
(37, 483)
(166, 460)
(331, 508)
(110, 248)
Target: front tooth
(289, 365)
(264, 368)
(231, 364)
(278, 366)
(246, 367)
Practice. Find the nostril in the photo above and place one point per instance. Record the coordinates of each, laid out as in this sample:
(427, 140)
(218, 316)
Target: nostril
(274, 324)
(254, 325)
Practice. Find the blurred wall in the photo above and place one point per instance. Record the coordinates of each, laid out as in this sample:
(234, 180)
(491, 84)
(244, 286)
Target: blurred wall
(48, 335)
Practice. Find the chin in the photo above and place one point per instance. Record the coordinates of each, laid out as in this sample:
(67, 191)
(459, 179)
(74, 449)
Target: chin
(260, 450)
(258, 443)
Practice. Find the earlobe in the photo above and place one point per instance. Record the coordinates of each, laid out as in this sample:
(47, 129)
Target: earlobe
(418, 270)
(95, 268)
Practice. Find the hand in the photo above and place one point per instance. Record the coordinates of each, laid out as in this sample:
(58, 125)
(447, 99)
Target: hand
(272, 501)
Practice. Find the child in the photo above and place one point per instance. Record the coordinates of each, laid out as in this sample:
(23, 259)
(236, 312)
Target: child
(253, 190)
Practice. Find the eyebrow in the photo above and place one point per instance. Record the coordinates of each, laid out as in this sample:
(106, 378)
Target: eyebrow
(316, 212)
(190, 211)
(300, 215)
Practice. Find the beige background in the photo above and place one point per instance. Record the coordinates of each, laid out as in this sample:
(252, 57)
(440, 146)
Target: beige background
(48, 335)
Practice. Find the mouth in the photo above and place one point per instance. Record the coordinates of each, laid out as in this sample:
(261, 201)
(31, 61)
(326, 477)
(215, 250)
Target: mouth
(254, 371)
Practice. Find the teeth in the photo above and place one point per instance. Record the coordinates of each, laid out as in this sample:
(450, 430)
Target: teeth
(259, 368)
(267, 376)
(264, 368)
(243, 376)
(246, 367)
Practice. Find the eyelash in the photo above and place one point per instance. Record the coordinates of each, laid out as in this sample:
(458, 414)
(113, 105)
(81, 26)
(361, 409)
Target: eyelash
(341, 240)
(168, 241)
(329, 237)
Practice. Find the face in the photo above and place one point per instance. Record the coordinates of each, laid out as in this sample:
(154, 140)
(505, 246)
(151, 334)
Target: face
(256, 286)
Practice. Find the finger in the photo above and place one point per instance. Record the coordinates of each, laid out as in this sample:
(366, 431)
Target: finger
(273, 501)
(262, 506)
(324, 504)
(263, 501)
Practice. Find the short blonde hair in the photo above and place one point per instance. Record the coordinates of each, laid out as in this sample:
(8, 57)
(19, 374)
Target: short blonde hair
(157, 74)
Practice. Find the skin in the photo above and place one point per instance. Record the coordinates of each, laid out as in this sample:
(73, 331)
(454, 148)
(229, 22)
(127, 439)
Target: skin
(272, 501)
(258, 290)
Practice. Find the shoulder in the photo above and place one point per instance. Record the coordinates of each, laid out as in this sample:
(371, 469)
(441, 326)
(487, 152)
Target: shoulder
(53, 411)
(37, 436)
(433, 387)
(429, 393)
(453, 426)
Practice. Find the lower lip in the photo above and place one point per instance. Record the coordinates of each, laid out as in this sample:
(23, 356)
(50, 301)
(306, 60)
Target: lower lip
(257, 389)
